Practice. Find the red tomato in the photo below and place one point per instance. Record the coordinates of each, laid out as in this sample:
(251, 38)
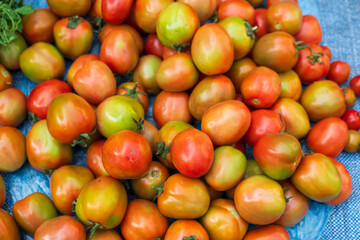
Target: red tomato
(78, 64)
(69, 8)
(355, 84)
(339, 72)
(239, 71)
(237, 8)
(326, 51)
(94, 159)
(186, 229)
(6, 80)
(240, 145)
(260, 22)
(12, 107)
(8, 228)
(270, 232)
(352, 119)
(116, 11)
(153, 45)
(310, 30)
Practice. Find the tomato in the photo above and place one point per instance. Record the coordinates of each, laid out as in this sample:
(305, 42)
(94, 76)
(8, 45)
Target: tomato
(212, 50)
(218, 122)
(145, 187)
(350, 97)
(168, 52)
(326, 51)
(222, 221)
(177, 73)
(70, 229)
(78, 64)
(208, 92)
(237, 8)
(40, 97)
(153, 45)
(12, 149)
(271, 2)
(353, 141)
(256, 3)
(290, 85)
(41, 62)
(192, 152)
(268, 233)
(95, 82)
(73, 36)
(150, 131)
(115, 11)
(145, 71)
(227, 170)
(96, 9)
(213, 193)
(10, 54)
(119, 51)
(355, 84)
(252, 168)
(239, 71)
(127, 155)
(317, 178)
(323, 99)
(204, 9)
(339, 72)
(12, 107)
(118, 113)
(43, 151)
(328, 136)
(310, 30)
(240, 145)
(261, 88)
(143, 221)
(2, 191)
(164, 139)
(352, 119)
(69, 8)
(94, 158)
(183, 197)
(131, 21)
(105, 235)
(186, 229)
(135, 91)
(8, 228)
(296, 119)
(33, 210)
(171, 106)
(261, 22)
(102, 203)
(346, 186)
(6, 80)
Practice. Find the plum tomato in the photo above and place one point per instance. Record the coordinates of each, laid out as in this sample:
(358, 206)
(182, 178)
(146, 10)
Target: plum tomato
(290, 85)
(153, 45)
(12, 107)
(260, 22)
(150, 131)
(78, 64)
(8, 228)
(205, 9)
(353, 141)
(239, 71)
(104, 235)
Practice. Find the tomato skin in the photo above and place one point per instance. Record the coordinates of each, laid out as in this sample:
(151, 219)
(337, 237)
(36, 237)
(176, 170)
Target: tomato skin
(135, 91)
(271, 2)
(105, 235)
(222, 221)
(328, 136)
(96, 9)
(43, 151)
(156, 176)
(8, 228)
(339, 72)
(192, 152)
(212, 50)
(270, 232)
(214, 194)
(352, 142)
(183, 197)
(69, 8)
(250, 193)
(310, 30)
(168, 52)
(40, 97)
(355, 84)
(78, 64)
(94, 158)
(237, 8)
(118, 43)
(2, 191)
(33, 210)
(127, 155)
(70, 229)
(239, 71)
(12, 149)
(95, 82)
(10, 54)
(153, 45)
(204, 9)
(252, 168)
(261, 22)
(326, 51)
(149, 132)
(317, 178)
(181, 229)
(352, 119)
(12, 107)
(350, 97)
(290, 85)
(115, 11)
(6, 80)
(143, 221)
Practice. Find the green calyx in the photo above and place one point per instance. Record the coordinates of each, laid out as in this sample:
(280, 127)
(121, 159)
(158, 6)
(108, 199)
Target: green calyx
(315, 57)
(74, 22)
(215, 18)
(180, 46)
(192, 237)
(33, 118)
(139, 124)
(82, 138)
(250, 31)
(133, 93)
(73, 205)
(98, 23)
(160, 189)
(287, 199)
(300, 45)
(162, 150)
(48, 172)
(94, 228)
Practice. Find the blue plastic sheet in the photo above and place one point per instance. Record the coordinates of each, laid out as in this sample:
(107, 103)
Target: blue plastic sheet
(340, 21)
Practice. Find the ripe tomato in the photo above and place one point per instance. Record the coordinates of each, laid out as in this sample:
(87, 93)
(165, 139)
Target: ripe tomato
(12, 107)
(78, 64)
(204, 9)
(237, 8)
(317, 178)
(33, 210)
(352, 119)
(12, 149)
(261, 22)
(153, 45)
(353, 141)
(239, 71)
(355, 84)
(143, 221)
(192, 152)
(339, 72)
(186, 229)
(8, 228)
(94, 159)
(212, 49)
(2, 191)
(310, 30)
(271, 2)
(6, 80)
(69, 8)
(115, 11)
(95, 10)
(222, 221)
(326, 51)
(38, 25)
(105, 235)
(290, 85)
(183, 197)
(135, 91)
(10, 54)
(41, 62)
(149, 132)
(269, 232)
(350, 97)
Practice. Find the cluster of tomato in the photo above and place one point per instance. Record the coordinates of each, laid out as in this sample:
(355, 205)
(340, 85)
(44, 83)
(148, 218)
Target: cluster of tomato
(240, 75)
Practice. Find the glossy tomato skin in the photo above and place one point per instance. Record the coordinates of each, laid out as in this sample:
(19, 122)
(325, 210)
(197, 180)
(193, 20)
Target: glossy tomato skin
(10, 54)
(210, 40)
(168, 52)
(239, 71)
(192, 152)
(69, 8)
(183, 197)
(268, 233)
(271, 2)
(104, 235)
(250, 193)
(355, 84)
(350, 97)
(69, 116)
(156, 176)
(12, 107)
(352, 119)
(182, 229)
(263, 121)
(6, 80)
(328, 136)
(326, 51)
(204, 9)
(290, 85)
(102, 201)
(2, 191)
(339, 72)
(127, 155)
(71, 229)
(149, 132)
(95, 82)
(40, 97)
(66, 183)
(317, 178)
(310, 30)
(94, 158)
(143, 221)
(38, 26)
(78, 64)
(12, 149)
(41, 62)
(153, 45)
(8, 228)
(43, 151)
(115, 11)
(260, 22)
(33, 210)
(353, 141)
(237, 8)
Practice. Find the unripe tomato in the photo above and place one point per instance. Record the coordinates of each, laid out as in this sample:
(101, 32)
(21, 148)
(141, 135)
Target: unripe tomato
(8, 228)
(69, 8)
(290, 85)
(12, 107)
(10, 54)
(252, 168)
(78, 64)
(353, 141)
(12, 149)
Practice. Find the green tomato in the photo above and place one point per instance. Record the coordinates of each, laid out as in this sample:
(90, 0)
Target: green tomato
(10, 54)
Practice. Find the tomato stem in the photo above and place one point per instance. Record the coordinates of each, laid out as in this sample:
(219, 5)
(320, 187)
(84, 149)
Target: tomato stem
(94, 228)
(33, 118)
(300, 45)
(315, 57)
(81, 139)
(180, 46)
(48, 172)
(74, 22)
(162, 150)
(159, 189)
(139, 124)
(98, 24)
(215, 18)
(250, 31)
(192, 237)
(287, 199)
(133, 93)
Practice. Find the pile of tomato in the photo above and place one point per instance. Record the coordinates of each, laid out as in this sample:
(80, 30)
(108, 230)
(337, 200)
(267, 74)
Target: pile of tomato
(252, 80)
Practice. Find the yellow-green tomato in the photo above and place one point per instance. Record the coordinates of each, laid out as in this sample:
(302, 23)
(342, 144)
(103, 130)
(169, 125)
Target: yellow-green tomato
(252, 168)
(10, 54)
(290, 85)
